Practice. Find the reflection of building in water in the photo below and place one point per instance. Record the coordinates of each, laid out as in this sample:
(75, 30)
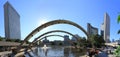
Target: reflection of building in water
(66, 40)
(46, 41)
(45, 51)
(66, 52)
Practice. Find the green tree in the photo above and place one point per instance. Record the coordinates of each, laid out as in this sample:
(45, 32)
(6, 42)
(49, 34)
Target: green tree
(117, 51)
(118, 22)
(17, 40)
(52, 43)
(83, 41)
(0, 38)
(97, 40)
(60, 43)
(118, 19)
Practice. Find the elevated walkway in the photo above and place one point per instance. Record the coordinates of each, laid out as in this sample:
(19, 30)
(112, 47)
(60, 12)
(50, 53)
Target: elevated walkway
(4, 43)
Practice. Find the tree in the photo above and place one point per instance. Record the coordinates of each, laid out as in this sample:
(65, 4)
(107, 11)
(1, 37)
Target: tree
(118, 22)
(60, 43)
(97, 40)
(1, 38)
(117, 51)
(52, 43)
(17, 40)
(83, 41)
(118, 19)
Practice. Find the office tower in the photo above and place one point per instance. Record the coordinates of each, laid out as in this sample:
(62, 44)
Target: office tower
(102, 30)
(45, 41)
(66, 40)
(105, 28)
(74, 39)
(91, 30)
(11, 22)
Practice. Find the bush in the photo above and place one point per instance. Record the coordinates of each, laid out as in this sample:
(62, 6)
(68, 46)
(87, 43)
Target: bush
(60, 44)
(117, 52)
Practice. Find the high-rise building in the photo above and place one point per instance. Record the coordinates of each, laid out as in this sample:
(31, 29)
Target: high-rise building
(66, 40)
(91, 30)
(102, 30)
(45, 41)
(74, 39)
(105, 28)
(11, 22)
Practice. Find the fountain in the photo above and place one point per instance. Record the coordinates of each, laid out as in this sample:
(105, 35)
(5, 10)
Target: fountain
(45, 49)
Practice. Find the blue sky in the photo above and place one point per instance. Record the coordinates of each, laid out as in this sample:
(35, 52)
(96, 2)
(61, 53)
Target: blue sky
(35, 12)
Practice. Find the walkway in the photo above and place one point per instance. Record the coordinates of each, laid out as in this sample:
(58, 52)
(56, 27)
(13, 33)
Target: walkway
(110, 55)
(3, 54)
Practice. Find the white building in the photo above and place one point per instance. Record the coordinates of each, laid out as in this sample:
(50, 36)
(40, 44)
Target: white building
(11, 22)
(105, 28)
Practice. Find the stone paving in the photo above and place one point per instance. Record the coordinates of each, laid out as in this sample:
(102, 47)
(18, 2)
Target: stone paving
(110, 55)
(5, 53)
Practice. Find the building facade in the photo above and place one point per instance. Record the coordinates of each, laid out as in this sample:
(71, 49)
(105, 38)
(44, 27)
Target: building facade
(45, 41)
(102, 30)
(66, 40)
(74, 39)
(11, 22)
(105, 28)
(91, 30)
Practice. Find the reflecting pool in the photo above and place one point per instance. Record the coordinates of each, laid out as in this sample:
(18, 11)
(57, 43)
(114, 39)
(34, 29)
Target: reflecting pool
(58, 51)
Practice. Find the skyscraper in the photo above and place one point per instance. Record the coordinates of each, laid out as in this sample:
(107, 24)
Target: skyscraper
(91, 30)
(11, 22)
(102, 30)
(66, 40)
(105, 28)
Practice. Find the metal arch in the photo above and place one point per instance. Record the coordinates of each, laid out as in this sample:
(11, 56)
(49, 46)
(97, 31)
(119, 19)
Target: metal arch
(49, 36)
(52, 23)
(53, 35)
(53, 32)
(45, 37)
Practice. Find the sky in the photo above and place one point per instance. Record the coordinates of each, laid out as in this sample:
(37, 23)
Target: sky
(36, 12)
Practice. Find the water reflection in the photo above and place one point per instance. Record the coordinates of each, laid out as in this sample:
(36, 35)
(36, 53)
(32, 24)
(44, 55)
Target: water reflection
(45, 51)
(58, 51)
(66, 52)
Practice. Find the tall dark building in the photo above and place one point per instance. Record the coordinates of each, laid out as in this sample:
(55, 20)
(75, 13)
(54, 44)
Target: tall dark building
(66, 40)
(11, 22)
(45, 41)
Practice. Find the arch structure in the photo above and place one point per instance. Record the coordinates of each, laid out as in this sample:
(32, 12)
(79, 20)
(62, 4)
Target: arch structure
(49, 24)
(49, 36)
(54, 35)
(39, 37)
